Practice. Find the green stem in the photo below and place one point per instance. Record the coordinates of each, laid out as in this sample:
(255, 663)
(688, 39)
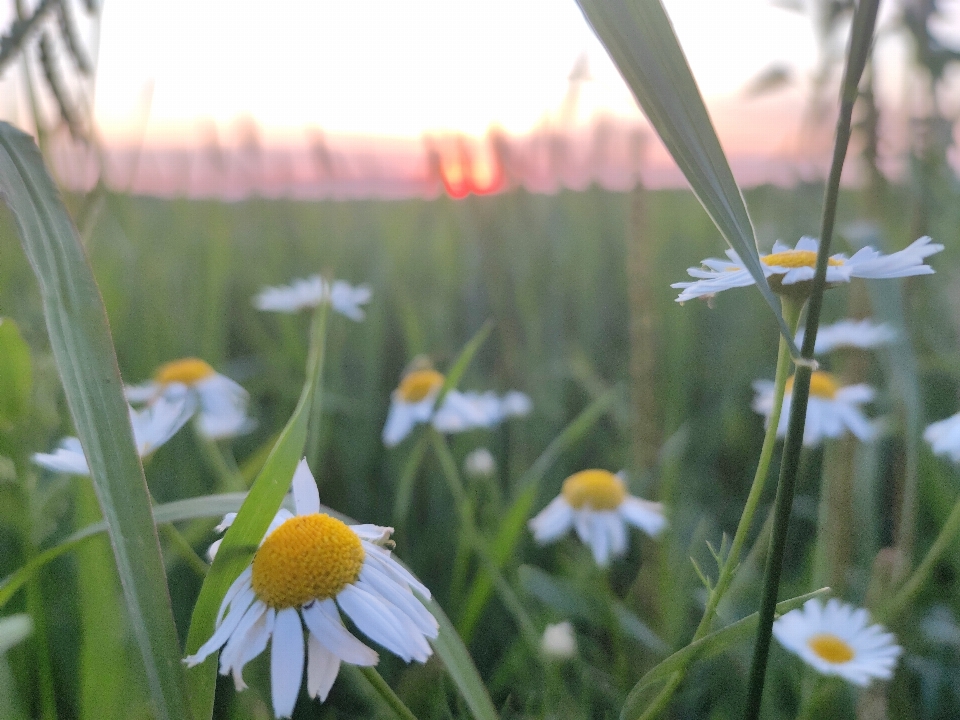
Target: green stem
(229, 478)
(184, 549)
(387, 693)
(861, 40)
(906, 592)
(48, 702)
(316, 409)
(469, 529)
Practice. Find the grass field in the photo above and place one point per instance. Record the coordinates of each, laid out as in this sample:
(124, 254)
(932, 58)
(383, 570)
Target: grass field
(576, 288)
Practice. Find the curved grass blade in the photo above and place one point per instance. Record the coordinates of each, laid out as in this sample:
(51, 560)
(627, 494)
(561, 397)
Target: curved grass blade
(707, 646)
(85, 357)
(641, 41)
(243, 537)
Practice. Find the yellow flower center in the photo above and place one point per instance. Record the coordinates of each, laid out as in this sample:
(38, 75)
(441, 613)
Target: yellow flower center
(599, 489)
(187, 371)
(417, 385)
(796, 258)
(831, 648)
(822, 385)
(309, 557)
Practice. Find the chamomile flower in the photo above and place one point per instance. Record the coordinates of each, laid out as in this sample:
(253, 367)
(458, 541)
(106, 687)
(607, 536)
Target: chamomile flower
(310, 292)
(596, 504)
(152, 427)
(221, 404)
(862, 334)
(786, 267)
(837, 639)
(309, 568)
(944, 437)
(832, 408)
(413, 402)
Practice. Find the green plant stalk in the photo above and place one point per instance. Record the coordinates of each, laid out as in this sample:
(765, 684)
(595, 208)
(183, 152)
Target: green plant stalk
(229, 478)
(861, 40)
(948, 533)
(316, 409)
(184, 549)
(469, 528)
(48, 697)
(387, 693)
(791, 313)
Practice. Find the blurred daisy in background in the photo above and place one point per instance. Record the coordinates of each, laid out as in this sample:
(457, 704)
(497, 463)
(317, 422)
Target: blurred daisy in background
(152, 427)
(220, 403)
(310, 567)
(944, 437)
(787, 266)
(837, 639)
(862, 334)
(413, 402)
(310, 292)
(480, 463)
(596, 504)
(831, 409)
(558, 641)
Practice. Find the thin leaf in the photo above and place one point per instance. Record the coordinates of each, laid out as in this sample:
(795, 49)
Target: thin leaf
(464, 359)
(712, 644)
(244, 535)
(84, 354)
(641, 41)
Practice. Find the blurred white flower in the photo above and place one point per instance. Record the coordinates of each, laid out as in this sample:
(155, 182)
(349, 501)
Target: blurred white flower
(480, 463)
(596, 504)
(152, 427)
(310, 292)
(413, 401)
(864, 334)
(220, 403)
(309, 568)
(559, 641)
(838, 640)
(787, 266)
(944, 437)
(831, 408)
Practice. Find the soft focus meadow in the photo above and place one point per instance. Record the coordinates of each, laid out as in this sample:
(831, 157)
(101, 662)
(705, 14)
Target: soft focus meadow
(561, 303)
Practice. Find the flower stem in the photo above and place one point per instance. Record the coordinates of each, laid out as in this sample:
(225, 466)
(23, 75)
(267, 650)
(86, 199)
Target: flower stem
(319, 330)
(387, 693)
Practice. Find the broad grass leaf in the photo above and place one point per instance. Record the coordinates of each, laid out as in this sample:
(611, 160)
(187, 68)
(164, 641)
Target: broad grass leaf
(84, 354)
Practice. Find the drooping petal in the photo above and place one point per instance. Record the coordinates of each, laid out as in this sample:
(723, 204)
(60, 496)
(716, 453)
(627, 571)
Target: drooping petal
(286, 661)
(322, 669)
(323, 620)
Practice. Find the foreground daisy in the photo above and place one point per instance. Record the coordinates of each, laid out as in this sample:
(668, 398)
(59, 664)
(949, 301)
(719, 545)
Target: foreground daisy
(831, 408)
(152, 427)
(310, 292)
(413, 401)
(596, 504)
(787, 266)
(309, 568)
(838, 640)
(221, 404)
(944, 437)
(861, 334)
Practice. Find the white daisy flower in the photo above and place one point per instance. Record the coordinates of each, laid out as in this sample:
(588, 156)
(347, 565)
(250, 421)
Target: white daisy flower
(221, 403)
(838, 640)
(558, 641)
(787, 266)
(480, 463)
(308, 569)
(831, 408)
(863, 334)
(944, 437)
(310, 292)
(152, 427)
(596, 504)
(413, 401)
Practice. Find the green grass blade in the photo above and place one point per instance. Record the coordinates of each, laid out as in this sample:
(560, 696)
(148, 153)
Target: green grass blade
(244, 535)
(641, 41)
(464, 359)
(709, 645)
(85, 357)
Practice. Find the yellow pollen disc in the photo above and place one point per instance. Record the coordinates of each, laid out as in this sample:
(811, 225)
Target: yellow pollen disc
(796, 258)
(309, 557)
(599, 489)
(822, 385)
(416, 385)
(186, 371)
(831, 648)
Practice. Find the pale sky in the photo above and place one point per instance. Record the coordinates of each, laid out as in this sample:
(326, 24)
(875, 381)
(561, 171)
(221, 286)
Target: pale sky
(397, 67)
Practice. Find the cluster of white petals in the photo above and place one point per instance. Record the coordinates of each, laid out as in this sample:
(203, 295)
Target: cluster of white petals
(306, 293)
(863, 334)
